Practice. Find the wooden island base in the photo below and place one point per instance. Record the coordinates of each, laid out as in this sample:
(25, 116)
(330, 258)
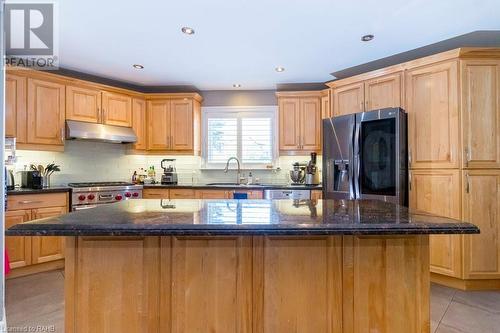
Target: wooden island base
(247, 284)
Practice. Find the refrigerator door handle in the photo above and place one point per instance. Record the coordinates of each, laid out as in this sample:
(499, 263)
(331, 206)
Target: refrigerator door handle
(356, 169)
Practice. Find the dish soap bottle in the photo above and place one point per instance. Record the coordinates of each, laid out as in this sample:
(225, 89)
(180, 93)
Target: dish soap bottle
(250, 178)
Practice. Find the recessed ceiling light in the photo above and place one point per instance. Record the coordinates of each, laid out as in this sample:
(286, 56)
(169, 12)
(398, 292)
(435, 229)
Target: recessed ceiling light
(367, 38)
(279, 69)
(137, 66)
(236, 85)
(187, 30)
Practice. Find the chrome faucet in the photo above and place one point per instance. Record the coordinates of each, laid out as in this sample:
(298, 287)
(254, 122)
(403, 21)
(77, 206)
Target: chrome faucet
(239, 169)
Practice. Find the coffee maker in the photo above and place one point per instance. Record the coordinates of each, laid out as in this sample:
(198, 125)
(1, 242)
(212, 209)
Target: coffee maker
(169, 176)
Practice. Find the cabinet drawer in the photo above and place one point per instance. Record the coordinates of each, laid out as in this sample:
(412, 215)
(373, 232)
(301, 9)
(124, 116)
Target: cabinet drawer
(155, 194)
(182, 194)
(31, 201)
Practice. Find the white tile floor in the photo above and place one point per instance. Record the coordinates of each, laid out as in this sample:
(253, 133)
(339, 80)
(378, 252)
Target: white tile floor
(39, 300)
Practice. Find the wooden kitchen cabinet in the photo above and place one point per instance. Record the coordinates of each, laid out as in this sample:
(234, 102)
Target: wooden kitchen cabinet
(433, 119)
(481, 206)
(18, 247)
(316, 194)
(47, 248)
(83, 104)
(299, 122)
(46, 112)
(139, 123)
(326, 111)
(438, 192)
(116, 109)
(212, 194)
(15, 107)
(481, 113)
(156, 193)
(348, 99)
(383, 92)
(180, 193)
(181, 124)
(35, 254)
(158, 118)
(174, 125)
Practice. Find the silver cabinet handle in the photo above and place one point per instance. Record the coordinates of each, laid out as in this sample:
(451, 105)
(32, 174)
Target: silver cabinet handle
(467, 156)
(62, 134)
(467, 183)
(409, 181)
(99, 115)
(409, 157)
(25, 202)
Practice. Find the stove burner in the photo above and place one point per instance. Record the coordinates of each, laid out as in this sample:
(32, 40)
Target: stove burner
(99, 184)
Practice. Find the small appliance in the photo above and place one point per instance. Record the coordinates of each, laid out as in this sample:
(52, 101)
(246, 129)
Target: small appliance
(312, 172)
(9, 174)
(169, 176)
(298, 173)
(365, 156)
(31, 179)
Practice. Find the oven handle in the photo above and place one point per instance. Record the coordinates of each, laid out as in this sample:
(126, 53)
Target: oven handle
(75, 208)
(105, 196)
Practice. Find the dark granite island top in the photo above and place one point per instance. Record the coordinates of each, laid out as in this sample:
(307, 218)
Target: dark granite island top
(243, 217)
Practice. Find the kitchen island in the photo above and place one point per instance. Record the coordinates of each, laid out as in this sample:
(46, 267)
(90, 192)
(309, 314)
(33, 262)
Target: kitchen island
(246, 266)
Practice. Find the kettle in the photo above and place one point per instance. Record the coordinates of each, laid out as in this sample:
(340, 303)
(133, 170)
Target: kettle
(9, 179)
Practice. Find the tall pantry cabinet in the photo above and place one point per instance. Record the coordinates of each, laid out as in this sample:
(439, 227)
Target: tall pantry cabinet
(453, 104)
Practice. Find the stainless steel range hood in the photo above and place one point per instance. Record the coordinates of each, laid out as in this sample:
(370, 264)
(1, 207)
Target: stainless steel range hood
(79, 130)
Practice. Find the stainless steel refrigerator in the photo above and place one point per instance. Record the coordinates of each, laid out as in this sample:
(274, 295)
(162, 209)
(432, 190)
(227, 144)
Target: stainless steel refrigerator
(365, 156)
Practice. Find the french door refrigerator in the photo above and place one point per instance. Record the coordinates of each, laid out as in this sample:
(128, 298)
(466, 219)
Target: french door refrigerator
(365, 156)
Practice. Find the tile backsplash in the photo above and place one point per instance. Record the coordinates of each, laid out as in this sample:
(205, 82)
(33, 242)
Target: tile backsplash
(95, 161)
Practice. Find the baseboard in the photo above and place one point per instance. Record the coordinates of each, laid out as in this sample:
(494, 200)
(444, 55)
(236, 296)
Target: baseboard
(38, 268)
(469, 284)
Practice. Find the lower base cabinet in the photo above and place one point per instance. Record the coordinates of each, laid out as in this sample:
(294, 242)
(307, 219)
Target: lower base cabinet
(261, 284)
(162, 193)
(24, 251)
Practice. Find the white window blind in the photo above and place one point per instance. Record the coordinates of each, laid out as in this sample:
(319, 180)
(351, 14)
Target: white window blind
(246, 133)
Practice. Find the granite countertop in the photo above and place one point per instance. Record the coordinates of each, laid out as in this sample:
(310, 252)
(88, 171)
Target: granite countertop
(242, 187)
(243, 217)
(52, 189)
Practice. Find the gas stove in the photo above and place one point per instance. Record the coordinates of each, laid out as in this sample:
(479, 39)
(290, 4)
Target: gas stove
(90, 194)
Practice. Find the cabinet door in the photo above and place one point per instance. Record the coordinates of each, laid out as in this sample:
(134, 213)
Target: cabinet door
(46, 103)
(289, 114)
(139, 123)
(348, 99)
(47, 248)
(482, 208)
(18, 248)
(158, 119)
(481, 113)
(83, 104)
(438, 192)
(212, 194)
(432, 106)
(383, 92)
(181, 124)
(325, 107)
(15, 107)
(116, 109)
(310, 124)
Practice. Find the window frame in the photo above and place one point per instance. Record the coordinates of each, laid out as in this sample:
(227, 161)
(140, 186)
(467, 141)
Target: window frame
(239, 112)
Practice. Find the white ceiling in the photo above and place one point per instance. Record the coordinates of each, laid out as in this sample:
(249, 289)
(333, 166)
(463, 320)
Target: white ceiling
(242, 41)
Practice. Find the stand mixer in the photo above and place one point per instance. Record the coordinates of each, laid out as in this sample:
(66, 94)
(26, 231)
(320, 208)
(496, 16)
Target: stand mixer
(298, 173)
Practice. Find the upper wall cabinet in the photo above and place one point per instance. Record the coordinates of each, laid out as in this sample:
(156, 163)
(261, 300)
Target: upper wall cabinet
(481, 113)
(116, 109)
(433, 121)
(96, 106)
(173, 125)
(348, 99)
(83, 104)
(46, 104)
(15, 107)
(299, 122)
(375, 93)
(326, 111)
(139, 123)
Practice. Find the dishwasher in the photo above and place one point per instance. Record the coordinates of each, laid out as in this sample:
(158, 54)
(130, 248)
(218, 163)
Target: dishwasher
(287, 194)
